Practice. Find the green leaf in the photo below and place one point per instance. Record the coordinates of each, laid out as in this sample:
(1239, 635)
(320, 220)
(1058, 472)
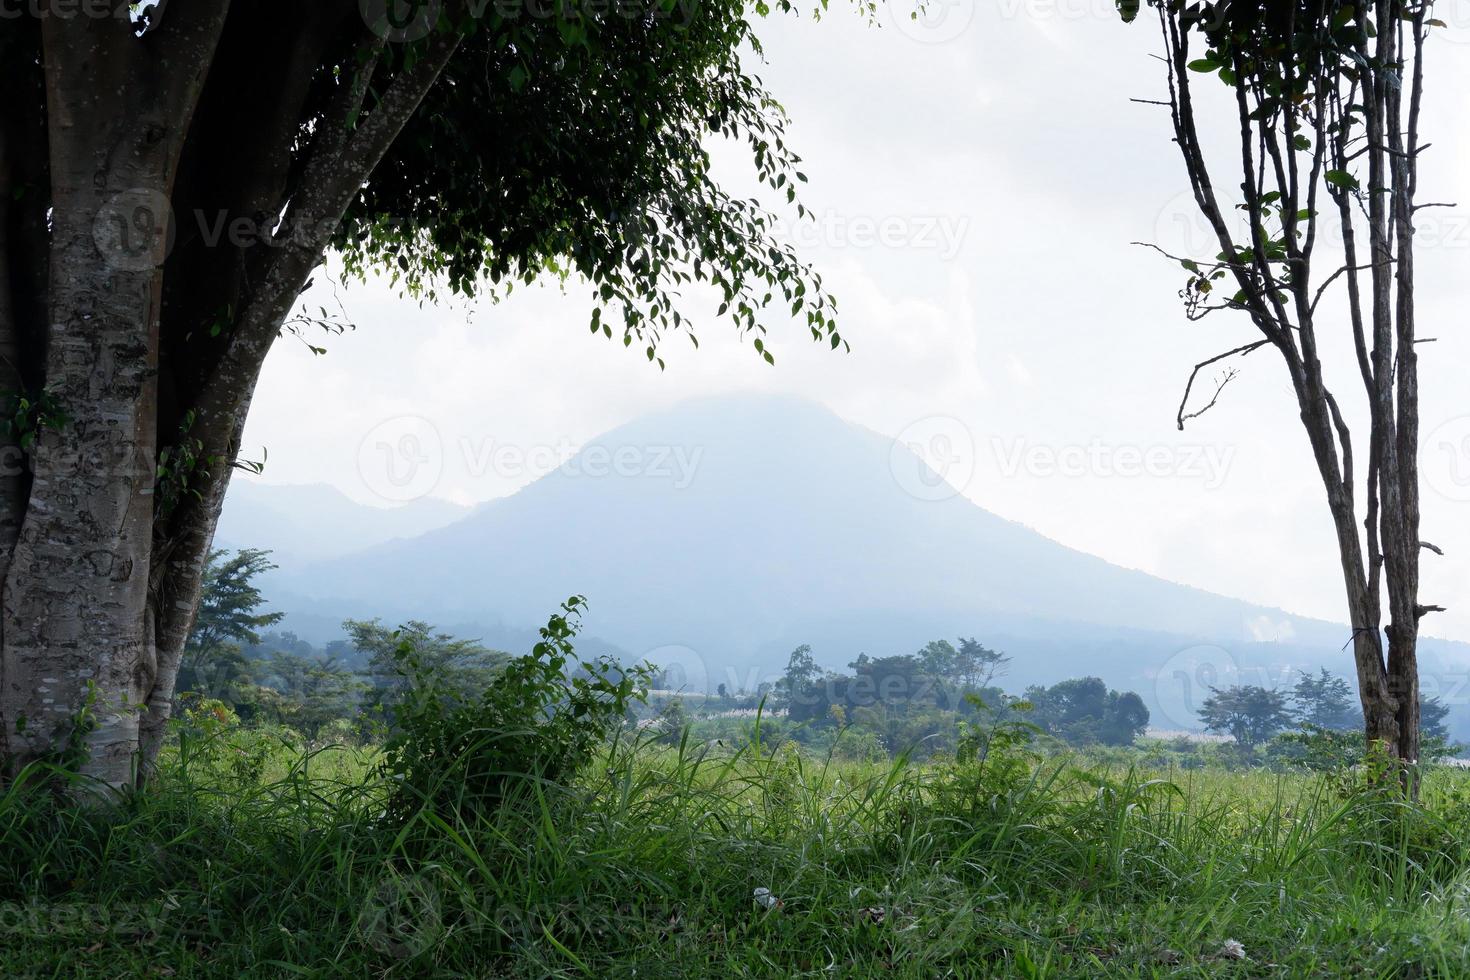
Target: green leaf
(1343, 179)
(1204, 65)
(1128, 10)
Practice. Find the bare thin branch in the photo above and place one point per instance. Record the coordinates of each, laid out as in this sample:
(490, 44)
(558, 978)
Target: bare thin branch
(1243, 350)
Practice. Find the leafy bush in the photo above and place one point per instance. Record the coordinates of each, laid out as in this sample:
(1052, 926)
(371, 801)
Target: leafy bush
(1327, 750)
(212, 740)
(541, 718)
(998, 735)
(1316, 748)
(994, 762)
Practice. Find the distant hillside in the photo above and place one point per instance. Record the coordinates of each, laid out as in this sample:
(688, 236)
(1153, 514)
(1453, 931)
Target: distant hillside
(722, 534)
(303, 523)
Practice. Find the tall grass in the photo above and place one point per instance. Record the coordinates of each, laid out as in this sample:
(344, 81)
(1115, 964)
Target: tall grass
(267, 859)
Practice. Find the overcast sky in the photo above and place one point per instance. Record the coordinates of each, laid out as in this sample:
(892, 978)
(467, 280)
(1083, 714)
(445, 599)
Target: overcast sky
(977, 180)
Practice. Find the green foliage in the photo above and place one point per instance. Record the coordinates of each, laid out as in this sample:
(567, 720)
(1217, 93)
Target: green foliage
(181, 468)
(1336, 751)
(998, 736)
(214, 744)
(253, 852)
(917, 704)
(1432, 715)
(1247, 713)
(229, 604)
(577, 144)
(1083, 711)
(461, 668)
(23, 417)
(307, 694)
(542, 718)
(801, 673)
(938, 658)
(229, 615)
(976, 665)
(672, 721)
(1318, 749)
(1326, 701)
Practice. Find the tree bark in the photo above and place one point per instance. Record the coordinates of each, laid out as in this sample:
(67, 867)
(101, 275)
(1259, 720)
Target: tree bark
(77, 643)
(13, 489)
(77, 650)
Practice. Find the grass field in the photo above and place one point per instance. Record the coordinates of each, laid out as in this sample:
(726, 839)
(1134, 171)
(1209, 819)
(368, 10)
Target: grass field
(257, 859)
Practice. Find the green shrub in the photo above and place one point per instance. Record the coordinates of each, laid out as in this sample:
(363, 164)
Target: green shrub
(541, 719)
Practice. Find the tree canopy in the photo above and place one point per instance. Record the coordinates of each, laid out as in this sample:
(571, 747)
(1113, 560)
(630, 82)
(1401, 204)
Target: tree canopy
(1247, 713)
(580, 146)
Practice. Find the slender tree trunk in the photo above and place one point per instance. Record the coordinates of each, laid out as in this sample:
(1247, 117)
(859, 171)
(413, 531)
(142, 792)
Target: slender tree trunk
(174, 597)
(1358, 75)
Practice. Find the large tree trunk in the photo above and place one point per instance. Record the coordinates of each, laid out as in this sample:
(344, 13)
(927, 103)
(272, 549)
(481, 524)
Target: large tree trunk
(77, 649)
(101, 555)
(77, 644)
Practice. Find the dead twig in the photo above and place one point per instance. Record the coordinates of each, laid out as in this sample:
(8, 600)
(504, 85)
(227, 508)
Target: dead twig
(1182, 417)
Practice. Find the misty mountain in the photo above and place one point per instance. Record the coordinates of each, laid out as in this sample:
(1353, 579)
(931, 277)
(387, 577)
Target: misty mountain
(720, 535)
(302, 523)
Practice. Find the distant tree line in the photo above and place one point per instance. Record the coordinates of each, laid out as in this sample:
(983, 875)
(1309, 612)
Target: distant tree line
(905, 702)
(271, 677)
(906, 699)
(1253, 715)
